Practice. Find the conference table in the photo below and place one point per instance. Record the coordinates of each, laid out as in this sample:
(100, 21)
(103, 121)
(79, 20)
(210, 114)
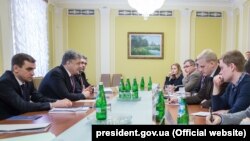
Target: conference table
(77, 126)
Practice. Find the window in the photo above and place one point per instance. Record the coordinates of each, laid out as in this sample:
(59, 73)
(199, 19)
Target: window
(29, 26)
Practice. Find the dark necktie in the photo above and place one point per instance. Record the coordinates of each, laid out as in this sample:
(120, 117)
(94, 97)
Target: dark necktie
(25, 92)
(202, 81)
(82, 85)
(72, 81)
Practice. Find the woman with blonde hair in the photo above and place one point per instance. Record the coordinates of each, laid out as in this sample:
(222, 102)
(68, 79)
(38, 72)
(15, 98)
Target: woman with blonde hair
(175, 76)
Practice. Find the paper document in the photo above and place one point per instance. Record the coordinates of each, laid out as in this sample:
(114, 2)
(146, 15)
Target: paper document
(172, 103)
(47, 136)
(86, 100)
(69, 110)
(23, 127)
(108, 90)
(203, 114)
(21, 117)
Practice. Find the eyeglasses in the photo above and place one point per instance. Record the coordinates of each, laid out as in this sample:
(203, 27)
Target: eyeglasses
(187, 66)
(85, 63)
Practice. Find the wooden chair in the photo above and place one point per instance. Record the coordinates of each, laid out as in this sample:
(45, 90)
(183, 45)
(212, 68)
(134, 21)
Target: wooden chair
(116, 78)
(105, 78)
(37, 81)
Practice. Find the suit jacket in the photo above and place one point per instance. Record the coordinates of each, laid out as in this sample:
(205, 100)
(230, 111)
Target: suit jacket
(81, 82)
(57, 84)
(192, 81)
(14, 102)
(235, 118)
(206, 92)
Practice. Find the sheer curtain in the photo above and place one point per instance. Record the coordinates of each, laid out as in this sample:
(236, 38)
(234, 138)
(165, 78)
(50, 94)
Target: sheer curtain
(29, 26)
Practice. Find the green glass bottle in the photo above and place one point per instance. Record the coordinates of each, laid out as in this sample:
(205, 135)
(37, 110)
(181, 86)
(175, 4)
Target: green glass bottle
(142, 84)
(128, 84)
(135, 89)
(183, 116)
(160, 107)
(149, 84)
(127, 90)
(101, 104)
(121, 89)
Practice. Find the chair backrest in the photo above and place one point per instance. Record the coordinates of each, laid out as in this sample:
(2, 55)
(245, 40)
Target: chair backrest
(116, 78)
(105, 78)
(37, 81)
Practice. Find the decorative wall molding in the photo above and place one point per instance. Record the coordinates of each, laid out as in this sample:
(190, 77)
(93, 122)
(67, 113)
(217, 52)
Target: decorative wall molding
(135, 13)
(209, 14)
(80, 12)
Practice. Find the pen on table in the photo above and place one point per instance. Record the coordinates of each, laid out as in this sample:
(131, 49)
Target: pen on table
(211, 114)
(37, 117)
(88, 106)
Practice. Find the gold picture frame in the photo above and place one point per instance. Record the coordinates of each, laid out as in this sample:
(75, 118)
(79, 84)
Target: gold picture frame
(145, 45)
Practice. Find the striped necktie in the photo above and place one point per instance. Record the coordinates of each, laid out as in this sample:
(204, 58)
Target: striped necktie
(72, 81)
(25, 92)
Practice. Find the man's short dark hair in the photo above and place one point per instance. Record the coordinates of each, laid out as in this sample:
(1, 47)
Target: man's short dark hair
(191, 62)
(84, 57)
(235, 57)
(19, 59)
(70, 55)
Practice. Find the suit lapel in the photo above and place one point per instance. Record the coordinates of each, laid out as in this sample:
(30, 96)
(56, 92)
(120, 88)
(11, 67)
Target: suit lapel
(67, 79)
(15, 84)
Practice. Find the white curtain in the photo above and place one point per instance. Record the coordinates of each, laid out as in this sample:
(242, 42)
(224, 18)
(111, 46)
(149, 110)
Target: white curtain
(29, 26)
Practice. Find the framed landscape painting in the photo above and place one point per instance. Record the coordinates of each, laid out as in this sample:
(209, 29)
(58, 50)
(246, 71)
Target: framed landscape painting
(145, 45)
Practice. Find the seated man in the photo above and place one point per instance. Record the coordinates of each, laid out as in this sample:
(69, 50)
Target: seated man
(230, 118)
(81, 80)
(17, 90)
(60, 83)
(236, 97)
(192, 79)
(208, 66)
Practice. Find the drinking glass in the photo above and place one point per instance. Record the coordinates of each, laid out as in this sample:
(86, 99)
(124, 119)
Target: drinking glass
(169, 89)
(191, 119)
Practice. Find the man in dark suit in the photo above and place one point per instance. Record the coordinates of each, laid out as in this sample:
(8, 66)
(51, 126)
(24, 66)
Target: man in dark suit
(81, 80)
(60, 82)
(208, 66)
(17, 90)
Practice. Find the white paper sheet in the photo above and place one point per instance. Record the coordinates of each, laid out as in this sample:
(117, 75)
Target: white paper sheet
(108, 90)
(69, 110)
(203, 114)
(86, 100)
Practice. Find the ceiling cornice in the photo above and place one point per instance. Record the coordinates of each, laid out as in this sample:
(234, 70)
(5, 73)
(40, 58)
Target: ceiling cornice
(169, 4)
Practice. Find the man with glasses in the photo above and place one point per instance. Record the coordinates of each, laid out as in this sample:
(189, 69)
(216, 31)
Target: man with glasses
(81, 80)
(192, 76)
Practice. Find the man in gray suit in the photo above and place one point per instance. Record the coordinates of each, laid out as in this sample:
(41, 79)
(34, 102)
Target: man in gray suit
(192, 79)
(230, 118)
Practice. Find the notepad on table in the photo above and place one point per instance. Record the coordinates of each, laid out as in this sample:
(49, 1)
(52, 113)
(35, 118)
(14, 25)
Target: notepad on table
(69, 110)
(202, 114)
(108, 90)
(86, 100)
(22, 117)
(38, 127)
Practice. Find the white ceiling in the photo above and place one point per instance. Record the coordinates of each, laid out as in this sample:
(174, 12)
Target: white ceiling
(169, 4)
